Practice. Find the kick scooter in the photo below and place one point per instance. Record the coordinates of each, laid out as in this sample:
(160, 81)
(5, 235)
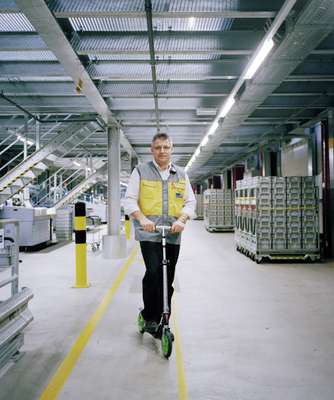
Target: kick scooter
(163, 330)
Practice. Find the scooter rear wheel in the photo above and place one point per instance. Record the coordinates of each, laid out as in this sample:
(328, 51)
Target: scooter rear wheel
(141, 324)
(166, 342)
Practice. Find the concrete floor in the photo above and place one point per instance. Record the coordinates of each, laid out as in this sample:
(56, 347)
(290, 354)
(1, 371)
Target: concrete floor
(248, 331)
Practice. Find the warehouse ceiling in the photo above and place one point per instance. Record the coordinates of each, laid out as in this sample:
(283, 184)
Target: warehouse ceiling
(81, 58)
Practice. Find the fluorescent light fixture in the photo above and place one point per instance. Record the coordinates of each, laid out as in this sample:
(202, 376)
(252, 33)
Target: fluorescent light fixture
(259, 58)
(205, 140)
(213, 128)
(198, 150)
(76, 163)
(191, 22)
(226, 107)
(204, 112)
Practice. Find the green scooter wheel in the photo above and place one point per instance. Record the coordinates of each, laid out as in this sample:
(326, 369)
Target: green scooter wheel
(166, 342)
(141, 324)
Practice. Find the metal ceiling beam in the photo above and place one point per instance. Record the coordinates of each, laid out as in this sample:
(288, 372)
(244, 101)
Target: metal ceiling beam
(323, 52)
(80, 8)
(182, 14)
(48, 28)
(234, 42)
(24, 41)
(103, 70)
(169, 52)
(310, 78)
(109, 72)
(60, 91)
(28, 77)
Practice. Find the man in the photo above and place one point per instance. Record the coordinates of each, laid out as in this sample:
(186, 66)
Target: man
(158, 193)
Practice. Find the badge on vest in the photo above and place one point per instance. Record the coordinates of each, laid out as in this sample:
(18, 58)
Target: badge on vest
(178, 195)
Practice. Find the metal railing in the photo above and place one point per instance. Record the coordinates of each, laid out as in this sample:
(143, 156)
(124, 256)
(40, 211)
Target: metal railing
(29, 142)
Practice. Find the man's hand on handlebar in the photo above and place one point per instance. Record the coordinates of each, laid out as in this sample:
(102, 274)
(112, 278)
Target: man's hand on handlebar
(177, 227)
(146, 224)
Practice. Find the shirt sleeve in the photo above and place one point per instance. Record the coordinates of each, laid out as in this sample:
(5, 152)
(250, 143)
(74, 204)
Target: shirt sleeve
(132, 194)
(189, 207)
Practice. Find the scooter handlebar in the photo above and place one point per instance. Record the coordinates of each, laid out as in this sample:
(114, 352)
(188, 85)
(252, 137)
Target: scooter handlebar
(160, 228)
(163, 227)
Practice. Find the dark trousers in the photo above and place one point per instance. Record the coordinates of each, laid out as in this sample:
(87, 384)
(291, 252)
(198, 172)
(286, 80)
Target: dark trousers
(153, 281)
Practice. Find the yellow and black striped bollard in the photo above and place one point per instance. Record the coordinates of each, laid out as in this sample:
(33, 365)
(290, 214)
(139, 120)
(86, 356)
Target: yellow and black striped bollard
(80, 245)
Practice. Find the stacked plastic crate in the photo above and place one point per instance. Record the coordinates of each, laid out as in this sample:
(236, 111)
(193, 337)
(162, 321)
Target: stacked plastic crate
(278, 214)
(277, 217)
(310, 215)
(64, 224)
(238, 211)
(228, 208)
(218, 209)
(199, 206)
(294, 212)
(262, 216)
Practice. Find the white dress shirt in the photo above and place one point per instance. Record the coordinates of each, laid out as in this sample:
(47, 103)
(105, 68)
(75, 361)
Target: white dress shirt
(132, 193)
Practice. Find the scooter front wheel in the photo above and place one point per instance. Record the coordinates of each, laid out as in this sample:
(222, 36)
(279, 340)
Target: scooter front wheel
(166, 342)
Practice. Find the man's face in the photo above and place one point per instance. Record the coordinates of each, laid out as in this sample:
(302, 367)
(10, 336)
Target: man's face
(162, 151)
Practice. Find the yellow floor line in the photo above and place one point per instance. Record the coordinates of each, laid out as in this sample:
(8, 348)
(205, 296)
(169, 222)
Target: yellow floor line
(64, 371)
(181, 376)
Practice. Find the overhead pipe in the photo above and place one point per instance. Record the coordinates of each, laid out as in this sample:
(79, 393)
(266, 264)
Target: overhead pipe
(148, 10)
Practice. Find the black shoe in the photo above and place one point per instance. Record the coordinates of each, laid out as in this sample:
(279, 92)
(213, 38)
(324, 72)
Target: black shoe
(151, 327)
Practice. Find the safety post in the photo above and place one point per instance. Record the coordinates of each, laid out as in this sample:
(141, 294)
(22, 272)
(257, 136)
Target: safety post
(80, 245)
(127, 225)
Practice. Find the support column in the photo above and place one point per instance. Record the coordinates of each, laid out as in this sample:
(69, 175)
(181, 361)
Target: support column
(329, 185)
(91, 162)
(237, 174)
(271, 165)
(311, 152)
(266, 163)
(87, 173)
(26, 193)
(114, 243)
(227, 180)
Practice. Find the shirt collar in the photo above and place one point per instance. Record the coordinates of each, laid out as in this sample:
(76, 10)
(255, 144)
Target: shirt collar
(158, 168)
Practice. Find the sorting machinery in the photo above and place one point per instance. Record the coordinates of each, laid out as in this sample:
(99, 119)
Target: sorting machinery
(14, 312)
(35, 224)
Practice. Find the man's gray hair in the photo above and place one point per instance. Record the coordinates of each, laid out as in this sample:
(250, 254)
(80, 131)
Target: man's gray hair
(162, 136)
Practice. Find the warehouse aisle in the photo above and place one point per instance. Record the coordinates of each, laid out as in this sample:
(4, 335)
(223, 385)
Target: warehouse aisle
(246, 331)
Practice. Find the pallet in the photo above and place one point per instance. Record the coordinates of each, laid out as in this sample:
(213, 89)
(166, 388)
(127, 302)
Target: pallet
(212, 229)
(286, 255)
